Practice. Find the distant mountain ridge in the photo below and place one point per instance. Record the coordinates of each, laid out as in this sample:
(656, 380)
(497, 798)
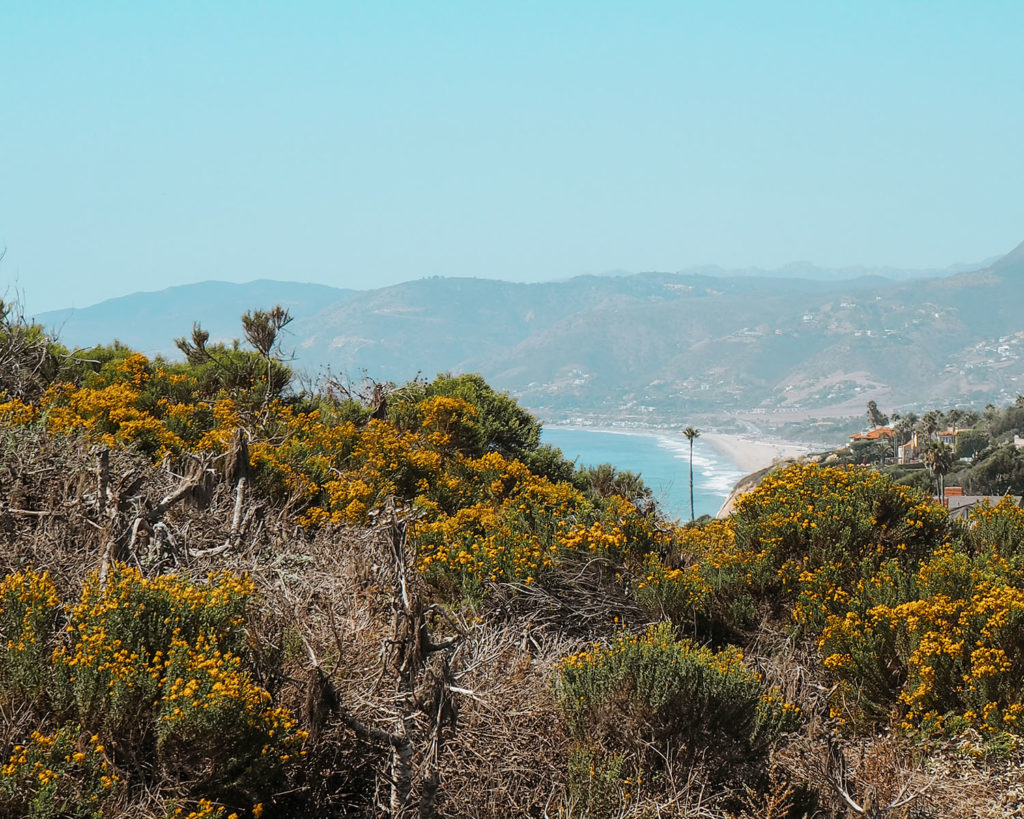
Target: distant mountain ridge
(150, 321)
(643, 346)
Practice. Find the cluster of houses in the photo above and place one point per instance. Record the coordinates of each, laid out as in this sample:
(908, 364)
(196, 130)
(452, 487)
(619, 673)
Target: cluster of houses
(909, 452)
(954, 499)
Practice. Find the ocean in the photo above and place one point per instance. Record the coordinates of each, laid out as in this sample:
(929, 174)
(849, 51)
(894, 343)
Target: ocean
(662, 459)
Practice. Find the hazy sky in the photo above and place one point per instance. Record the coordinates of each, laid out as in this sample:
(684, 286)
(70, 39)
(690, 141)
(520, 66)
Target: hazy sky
(360, 144)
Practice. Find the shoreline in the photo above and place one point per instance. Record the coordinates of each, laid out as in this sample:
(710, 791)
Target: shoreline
(747, 454)
(750, 455)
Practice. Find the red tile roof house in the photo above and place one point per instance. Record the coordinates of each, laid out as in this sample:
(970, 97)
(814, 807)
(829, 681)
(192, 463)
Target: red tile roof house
(876, 434)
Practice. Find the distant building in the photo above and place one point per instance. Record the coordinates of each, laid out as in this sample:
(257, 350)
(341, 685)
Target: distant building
(910, 452)
(883, 434)
(960, 505)
(876, 434)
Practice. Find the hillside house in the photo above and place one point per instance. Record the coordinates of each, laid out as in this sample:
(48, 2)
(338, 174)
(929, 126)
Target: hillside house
(876, 434)
(910, 452)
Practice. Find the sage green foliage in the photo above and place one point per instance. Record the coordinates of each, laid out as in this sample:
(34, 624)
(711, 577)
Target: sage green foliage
(604, 480)
(230, 369)
(596, 783)
(652, 690)
(548, 462)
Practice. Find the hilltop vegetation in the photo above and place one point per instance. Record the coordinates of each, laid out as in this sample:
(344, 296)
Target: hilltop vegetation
(225, 595)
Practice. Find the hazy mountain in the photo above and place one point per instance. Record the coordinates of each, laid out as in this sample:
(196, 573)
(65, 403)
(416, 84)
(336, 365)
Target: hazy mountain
(151, 321)
(809, 270)
(651, 345)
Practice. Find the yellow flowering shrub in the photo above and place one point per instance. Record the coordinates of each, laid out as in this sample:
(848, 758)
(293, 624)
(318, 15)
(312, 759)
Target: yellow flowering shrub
(949, 652)
(674, 593)
(805, 537)
(448, 423)
(29, 607)
(453, 450)
(17, 413)
(155, 665)
(999, 529)
(114, 667)
(214, 722)
(62, 775)
(124, 404)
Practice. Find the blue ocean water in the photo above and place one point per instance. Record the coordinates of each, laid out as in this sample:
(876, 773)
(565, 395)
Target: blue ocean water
(662, 459)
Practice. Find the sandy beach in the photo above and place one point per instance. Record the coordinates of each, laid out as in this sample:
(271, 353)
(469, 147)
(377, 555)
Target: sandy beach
(751, 455)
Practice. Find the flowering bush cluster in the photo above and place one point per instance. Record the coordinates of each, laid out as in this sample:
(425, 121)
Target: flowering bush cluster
(63, 775)
(483, 515)
(908, 612)
(126, 403)
(944, 642)
(153, 666)
(29, 608)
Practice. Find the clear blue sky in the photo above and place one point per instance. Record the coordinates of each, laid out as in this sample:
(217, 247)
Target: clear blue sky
(361, 144)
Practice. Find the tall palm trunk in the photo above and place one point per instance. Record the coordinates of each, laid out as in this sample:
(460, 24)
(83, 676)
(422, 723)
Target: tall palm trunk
(691, 480)
(691, 433)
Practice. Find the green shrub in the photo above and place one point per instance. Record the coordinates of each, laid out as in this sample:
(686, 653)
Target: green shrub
(999, 529)
(214, 724)
(798, 546)
(596, 786)
(672, 593)
(946, 653)
(655, 690)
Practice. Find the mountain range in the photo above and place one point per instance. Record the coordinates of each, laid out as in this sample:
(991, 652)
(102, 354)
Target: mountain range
(652, 347)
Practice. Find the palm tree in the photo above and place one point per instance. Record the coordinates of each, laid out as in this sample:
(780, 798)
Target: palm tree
(904, 429)
(931, 423)
(691, 433)
(938, 457)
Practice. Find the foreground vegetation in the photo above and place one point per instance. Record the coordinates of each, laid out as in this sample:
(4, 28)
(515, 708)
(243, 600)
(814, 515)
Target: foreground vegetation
(224, 596)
